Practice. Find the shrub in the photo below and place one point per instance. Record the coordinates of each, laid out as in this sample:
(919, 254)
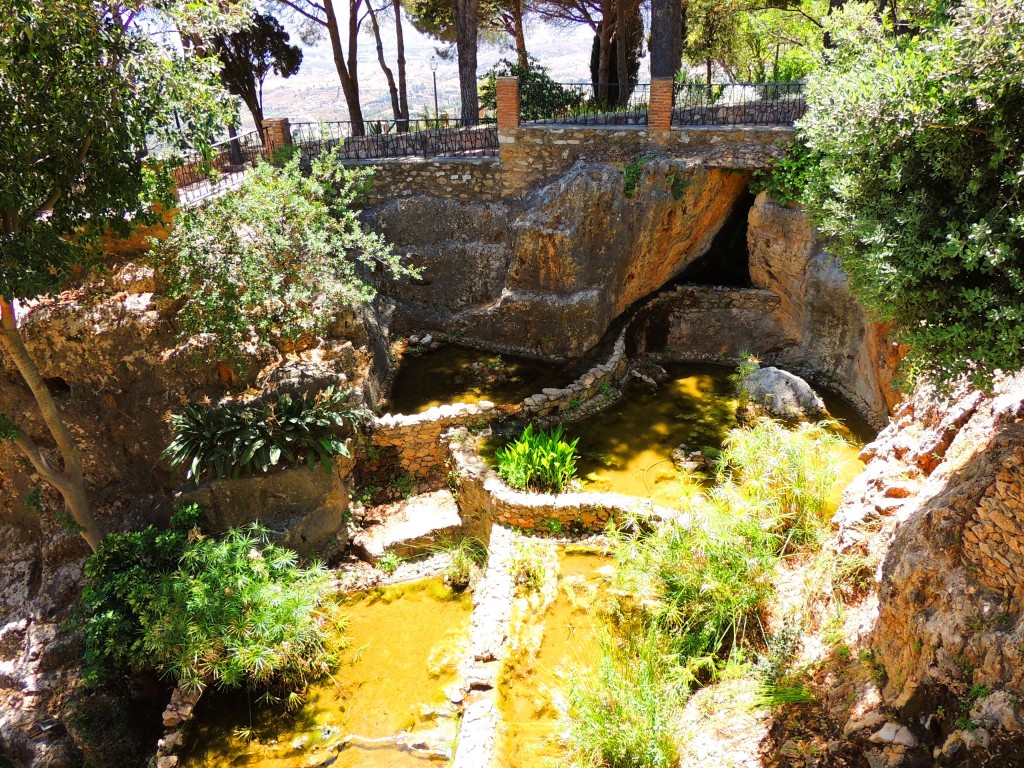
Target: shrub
(919, 186)
(275, 260)
(538, 460)
(540, 97)
(119, 581)
(235, 439)
(235, 611)
(623, 713)
(240, 612)
(466, 559)
(785, 179)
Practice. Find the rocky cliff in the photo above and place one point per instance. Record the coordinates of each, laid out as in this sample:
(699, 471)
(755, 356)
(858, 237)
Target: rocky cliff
(941, 507)
(548, 274)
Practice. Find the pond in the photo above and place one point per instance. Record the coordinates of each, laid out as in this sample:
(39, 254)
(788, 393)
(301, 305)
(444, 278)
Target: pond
(454, 374)
(628, 448)
(531, 682)
(407, 641)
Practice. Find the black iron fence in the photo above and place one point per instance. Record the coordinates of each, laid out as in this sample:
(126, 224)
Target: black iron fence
(441, 137)
(738, 103)
(587, 104)
(200, 177)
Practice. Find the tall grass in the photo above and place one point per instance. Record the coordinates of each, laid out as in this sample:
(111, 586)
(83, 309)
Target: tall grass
(694, 590)
(623, 713)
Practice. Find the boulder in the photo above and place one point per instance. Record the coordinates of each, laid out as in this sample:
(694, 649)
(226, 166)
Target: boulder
(782, 394)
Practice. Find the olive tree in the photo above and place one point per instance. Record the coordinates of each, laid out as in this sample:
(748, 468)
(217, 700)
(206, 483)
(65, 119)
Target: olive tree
(918, 182)
(83, 86)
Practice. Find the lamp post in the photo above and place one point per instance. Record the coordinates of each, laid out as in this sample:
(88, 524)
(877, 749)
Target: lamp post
(433, 70)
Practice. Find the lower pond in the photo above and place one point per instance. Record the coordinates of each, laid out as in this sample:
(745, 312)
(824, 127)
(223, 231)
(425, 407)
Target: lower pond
(551, 646)
(406, 643)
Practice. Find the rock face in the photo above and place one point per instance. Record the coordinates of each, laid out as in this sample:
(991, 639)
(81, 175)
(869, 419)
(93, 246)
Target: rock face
(943, 501)
(303, 507)
(822, 329)
(110, 355)
(550, 275)
(783, 394)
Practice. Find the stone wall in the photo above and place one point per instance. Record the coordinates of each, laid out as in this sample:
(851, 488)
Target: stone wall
(575, 396)
(479, 488)
(417, 438)
(994, 536)
(532, 155)
(467, 179)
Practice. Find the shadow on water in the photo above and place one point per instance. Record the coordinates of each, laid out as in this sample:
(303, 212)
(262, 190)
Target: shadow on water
(462, 375)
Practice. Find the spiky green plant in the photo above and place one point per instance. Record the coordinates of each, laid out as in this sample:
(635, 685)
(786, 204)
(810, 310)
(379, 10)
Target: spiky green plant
(539, 460)
(236, 439)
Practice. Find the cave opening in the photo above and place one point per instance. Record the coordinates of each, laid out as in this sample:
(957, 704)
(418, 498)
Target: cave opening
(727, 261)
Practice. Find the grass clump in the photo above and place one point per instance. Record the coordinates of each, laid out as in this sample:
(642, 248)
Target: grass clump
(466, 561)
(539, 460)
(693, 593)
(623, 713)
(235, 439)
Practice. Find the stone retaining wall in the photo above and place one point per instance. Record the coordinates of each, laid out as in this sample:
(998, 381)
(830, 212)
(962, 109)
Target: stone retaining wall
(994, 538)
(570, 401)
(417, 438)
(479, 488)
(476, 179)
(534, 154)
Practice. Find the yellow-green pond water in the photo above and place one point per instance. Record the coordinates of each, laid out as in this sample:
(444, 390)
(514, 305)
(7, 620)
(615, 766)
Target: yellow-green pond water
(406, 643)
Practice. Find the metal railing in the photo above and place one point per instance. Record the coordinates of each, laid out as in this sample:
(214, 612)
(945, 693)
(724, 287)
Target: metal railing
(738, 103)
(441, 137)
(231, 159)
(589, 104)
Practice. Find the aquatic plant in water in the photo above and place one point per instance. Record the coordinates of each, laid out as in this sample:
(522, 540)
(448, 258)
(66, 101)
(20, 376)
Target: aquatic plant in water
(538, 460)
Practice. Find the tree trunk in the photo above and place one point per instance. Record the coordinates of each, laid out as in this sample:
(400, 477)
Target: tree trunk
(346, 69)
(622, 51)
(666, 37)
(70, 482)
(519, 33)
(396, 107)
(403, 94)
(465, 13)
(604, 54)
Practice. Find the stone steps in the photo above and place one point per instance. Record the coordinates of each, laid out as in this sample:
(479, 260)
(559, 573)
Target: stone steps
(410, 527)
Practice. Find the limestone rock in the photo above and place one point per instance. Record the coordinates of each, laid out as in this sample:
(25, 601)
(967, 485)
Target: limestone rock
(782, 394)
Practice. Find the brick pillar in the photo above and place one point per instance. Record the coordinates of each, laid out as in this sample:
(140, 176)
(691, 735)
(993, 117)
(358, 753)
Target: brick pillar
(659, 111)
(277, 133)
(508, 103)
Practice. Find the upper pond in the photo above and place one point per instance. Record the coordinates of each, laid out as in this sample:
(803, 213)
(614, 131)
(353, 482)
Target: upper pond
(406, 643)
(461, 375)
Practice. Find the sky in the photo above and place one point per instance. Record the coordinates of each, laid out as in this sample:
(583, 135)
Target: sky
(315, 92)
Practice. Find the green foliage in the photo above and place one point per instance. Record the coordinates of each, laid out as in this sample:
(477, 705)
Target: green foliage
(787, 475)
(466, 560)
(538, 460)
(783, 695)
(119, 583)
(540, 97)
(786, 178)
(389, 562)
(748, 364)
(239, 439)
(8, 429)
(529, 566)
(622, 714)
(240, 612)
(84, 90)
(276, 259)
(633, 171)
(919, 185)
(249, 54)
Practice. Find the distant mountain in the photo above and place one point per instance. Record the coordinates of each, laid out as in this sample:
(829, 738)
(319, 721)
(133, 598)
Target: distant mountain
(315, 92)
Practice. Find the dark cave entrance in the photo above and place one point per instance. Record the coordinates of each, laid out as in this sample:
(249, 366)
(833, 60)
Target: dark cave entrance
(727, 261)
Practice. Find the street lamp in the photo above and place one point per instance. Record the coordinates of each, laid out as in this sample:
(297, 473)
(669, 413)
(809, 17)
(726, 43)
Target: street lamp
(433, 69)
